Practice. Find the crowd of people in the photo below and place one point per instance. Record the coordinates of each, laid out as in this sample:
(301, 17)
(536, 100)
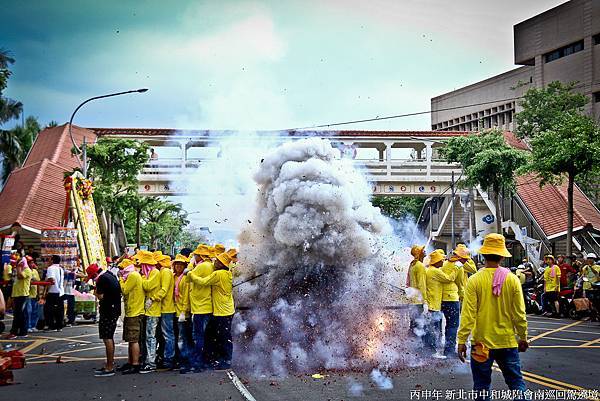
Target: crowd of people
(486, 303)
(177, 310)
(576, 277)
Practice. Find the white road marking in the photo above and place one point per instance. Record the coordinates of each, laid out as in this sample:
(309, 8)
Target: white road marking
(240, 386)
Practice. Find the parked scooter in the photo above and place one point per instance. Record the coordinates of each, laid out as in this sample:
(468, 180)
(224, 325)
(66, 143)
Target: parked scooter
(532, 301)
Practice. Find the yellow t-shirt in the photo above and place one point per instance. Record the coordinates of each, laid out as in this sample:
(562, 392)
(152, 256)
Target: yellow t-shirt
(35, 276)
(21, 286)
(165, 293)
(133, 294)
(201, 295)
(151, 286)
(493, 320)
(222, 286)
(453, 291)
(436, 279)
(552, 283)
(182, 304)
(591, 272)
(418, 281)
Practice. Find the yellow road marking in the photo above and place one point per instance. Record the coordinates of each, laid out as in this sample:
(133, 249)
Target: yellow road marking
(553, 331)
(591, 342)
(564, 339)
(33, 345)
(6, 340)
(75, 360)
(567, 331)
(564, 346)
(557, 382)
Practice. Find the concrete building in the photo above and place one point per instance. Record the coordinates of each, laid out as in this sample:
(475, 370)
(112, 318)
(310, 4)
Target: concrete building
(561, 44)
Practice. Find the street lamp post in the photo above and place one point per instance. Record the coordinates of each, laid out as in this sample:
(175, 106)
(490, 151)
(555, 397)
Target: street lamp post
(83, 149)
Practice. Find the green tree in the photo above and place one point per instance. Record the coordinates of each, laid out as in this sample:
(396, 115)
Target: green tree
(9, 109)
(114, 167)
(163, 222)
(399, 206)
(15, 144)
(487, 162)
(565, 143)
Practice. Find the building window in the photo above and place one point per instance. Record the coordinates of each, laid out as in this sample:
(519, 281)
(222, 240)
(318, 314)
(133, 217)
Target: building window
(596, 97)
(596, 39)
(564, 51)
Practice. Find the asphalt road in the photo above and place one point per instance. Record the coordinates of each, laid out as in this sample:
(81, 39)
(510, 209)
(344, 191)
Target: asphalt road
(564, 356)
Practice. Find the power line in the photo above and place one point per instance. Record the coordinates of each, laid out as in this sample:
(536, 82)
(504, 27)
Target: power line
(405, 115)
(366, 120)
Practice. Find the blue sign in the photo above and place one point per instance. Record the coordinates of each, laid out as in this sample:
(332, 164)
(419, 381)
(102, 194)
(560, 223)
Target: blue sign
(488, 219)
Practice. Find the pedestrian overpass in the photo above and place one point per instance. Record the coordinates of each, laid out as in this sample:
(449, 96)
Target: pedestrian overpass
(395, 162)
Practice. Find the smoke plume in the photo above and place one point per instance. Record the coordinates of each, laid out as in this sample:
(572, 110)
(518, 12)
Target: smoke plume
(326, 255)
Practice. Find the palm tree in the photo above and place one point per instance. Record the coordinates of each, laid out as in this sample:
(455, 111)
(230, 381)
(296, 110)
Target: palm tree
(9, 108)
(15, 144)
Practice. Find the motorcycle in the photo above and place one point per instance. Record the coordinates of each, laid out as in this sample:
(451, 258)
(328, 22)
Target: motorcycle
(532, 301)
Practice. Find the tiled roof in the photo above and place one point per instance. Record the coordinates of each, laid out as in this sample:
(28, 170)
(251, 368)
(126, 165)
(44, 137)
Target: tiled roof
(548, 206)
(55, 145)
(169, 132)
(34, 195)
(512, 140)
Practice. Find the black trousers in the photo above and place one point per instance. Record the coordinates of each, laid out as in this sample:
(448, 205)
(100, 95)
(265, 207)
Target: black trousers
(224, 344)
(19, 324)
(54, 311)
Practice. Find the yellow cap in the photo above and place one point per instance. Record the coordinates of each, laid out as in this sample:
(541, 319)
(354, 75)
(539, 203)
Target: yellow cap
(157, 255)
(165, 261)
(417, 250)
(225, 258)
(219, 249)
(146, 258)
(180, 259)
(494, 244)
(202, 250)
(549, 256)
(462, 251)
(436, 256)
(233, 253)
(125, 263)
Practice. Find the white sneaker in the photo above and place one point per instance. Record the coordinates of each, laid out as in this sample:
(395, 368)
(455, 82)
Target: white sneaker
(437, 355)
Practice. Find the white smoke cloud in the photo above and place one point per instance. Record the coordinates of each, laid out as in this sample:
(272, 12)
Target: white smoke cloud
(326, 254)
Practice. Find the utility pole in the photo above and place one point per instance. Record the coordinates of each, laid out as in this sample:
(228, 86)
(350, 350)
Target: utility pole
(452, 186)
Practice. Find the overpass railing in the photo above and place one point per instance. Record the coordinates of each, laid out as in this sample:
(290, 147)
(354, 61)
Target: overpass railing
(170, 169)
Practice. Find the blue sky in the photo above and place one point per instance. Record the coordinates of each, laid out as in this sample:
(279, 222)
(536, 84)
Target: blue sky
(253, 65)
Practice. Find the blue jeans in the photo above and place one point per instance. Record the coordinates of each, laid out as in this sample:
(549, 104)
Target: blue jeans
(151, 324)
(451, 311)
(198, 331)
(166, 327)
(185, 344)
(509, 363)
(33, 308)
(433, 330)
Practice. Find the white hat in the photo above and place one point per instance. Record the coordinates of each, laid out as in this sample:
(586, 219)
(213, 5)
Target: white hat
(591, 256)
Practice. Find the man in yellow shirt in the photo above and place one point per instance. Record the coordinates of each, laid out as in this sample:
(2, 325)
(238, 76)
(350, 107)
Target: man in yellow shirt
(20, 296)
(133, 298)
(591, 271)
(33, 307)
(416, 281)
(167, 308)
(221, 281)
(551, 286)
(201, 305)
(493, 312)
(151, 286)
(452, 294)
(181, 297)
(435, 280)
